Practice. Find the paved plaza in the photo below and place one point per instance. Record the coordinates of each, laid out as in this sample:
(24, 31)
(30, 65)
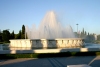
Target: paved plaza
(93, 61)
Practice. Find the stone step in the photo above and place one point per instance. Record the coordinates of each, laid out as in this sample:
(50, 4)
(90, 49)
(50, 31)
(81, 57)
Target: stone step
(83, 65)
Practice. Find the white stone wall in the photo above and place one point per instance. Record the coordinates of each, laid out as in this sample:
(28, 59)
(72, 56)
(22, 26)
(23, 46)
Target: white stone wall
(47, 43)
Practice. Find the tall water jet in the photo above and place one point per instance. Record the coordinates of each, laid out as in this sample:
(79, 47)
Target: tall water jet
(50, 28)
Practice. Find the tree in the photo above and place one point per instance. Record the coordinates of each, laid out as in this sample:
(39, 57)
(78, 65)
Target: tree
(18, 36)
(23, 29)
(12, 35)
(88, 33)
(0, 36)
(98, 37)
(85, 33)
(23, 32)
(0, 31)
(90, 38)
(5, 35)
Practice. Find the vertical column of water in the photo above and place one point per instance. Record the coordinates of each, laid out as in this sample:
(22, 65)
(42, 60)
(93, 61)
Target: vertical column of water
(50, 28)
(27, 31)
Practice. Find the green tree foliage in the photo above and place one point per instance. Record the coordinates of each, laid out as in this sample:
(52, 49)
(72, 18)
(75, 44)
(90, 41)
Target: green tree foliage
(0, 31)
(15, 36)
(85, 33)
(23, 29)
(88, 33)
(90, 38)
(5, 35)
(23, 32)
(12, 35)
(22, 36)
(98, 37)
(0, 36)
(87, 37)
(18, 36)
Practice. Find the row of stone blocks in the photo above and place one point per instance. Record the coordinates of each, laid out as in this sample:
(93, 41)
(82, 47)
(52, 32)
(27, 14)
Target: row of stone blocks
(47, 43)
(22, 51)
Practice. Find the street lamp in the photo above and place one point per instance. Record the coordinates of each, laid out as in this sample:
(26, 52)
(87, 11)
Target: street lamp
(77, 28)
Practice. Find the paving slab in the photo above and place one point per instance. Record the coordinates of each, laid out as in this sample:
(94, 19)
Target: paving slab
(93, 61)
(82, 65)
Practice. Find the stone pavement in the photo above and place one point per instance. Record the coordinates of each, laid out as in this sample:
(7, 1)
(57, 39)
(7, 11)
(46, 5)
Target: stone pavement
(93, 61)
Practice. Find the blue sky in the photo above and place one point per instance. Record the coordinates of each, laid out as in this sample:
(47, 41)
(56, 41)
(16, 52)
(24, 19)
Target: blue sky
(15, 13)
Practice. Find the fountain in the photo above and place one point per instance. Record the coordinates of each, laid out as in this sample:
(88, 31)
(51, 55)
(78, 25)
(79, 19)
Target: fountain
(49, 34)
(50, 28)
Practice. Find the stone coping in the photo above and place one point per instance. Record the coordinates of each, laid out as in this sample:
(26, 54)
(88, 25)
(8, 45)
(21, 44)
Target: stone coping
(14, 51)
(52, 39)
(82, 65)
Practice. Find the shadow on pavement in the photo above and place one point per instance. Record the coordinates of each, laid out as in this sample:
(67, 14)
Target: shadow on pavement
(93, 61)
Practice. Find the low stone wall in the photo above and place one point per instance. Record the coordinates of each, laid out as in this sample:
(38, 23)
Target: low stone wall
(47, 43)
(48, 50)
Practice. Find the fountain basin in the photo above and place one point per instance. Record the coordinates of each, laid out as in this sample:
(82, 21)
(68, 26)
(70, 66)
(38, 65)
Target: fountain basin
(47, 43)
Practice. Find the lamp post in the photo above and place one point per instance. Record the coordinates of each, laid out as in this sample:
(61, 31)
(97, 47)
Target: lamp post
(77, 28)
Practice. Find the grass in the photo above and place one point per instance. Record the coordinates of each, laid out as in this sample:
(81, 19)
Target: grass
(4, 43)
(48, 55)
(1, 42)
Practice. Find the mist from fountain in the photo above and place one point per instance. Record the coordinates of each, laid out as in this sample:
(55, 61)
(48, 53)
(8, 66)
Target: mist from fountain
(49, 28)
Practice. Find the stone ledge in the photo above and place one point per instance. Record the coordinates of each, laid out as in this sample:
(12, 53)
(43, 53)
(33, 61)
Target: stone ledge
(48, 50)
(84, 65)
(42, 43)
